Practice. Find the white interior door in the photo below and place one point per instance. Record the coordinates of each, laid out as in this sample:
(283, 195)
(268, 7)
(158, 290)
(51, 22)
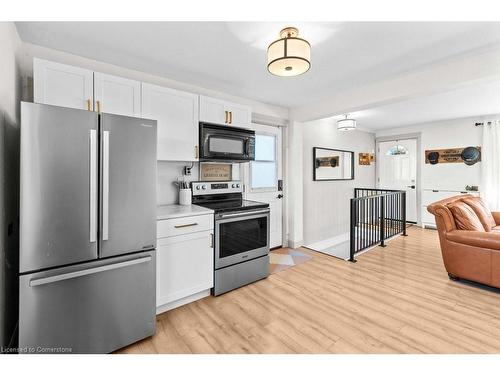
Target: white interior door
(262, 175)
(397, 169)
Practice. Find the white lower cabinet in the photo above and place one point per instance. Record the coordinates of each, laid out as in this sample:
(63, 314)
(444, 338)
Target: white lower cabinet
(184, 268)
(430, 196)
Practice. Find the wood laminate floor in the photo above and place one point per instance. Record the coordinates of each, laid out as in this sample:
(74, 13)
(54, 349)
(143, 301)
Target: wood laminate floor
(396, 299)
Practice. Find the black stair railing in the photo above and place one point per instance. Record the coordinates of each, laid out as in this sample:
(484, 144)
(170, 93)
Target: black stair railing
(376, 215)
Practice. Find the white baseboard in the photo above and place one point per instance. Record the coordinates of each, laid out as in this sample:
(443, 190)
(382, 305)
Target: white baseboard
(182, 301)
(295, 244)
(329, 242)
(337, 246)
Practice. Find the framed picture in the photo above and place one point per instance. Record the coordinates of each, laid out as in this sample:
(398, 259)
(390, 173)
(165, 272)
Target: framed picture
(332, 164)
(215, 171)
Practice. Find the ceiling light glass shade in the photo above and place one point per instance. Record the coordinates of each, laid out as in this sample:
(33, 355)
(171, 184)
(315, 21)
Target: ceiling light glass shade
(289, 56)
(346, 124)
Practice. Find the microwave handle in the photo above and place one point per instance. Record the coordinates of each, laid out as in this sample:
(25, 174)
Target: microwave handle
(247, 147)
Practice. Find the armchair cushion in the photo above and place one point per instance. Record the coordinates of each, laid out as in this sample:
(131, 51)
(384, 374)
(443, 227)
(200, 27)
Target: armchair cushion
(485, 240)
(482, 212)
(496, 216)
(465, 217)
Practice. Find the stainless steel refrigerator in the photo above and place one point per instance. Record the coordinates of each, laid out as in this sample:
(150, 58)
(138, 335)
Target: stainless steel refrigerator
(87, 230)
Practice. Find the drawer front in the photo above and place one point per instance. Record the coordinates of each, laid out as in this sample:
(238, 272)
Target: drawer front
(184, 225)
(431, 196)
(95, 307)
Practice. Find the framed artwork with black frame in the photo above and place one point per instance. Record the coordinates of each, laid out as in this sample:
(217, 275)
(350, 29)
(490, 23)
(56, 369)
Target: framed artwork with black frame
(330, 164)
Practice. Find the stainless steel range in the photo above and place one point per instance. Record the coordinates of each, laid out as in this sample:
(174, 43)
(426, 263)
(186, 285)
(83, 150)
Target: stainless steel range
(241, 234)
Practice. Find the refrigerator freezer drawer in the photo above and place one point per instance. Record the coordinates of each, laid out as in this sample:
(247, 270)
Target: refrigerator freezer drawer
(96, 307)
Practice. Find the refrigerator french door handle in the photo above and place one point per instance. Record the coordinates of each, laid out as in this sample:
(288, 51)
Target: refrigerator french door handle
(89, 271)
(105, 186)
(93, 185)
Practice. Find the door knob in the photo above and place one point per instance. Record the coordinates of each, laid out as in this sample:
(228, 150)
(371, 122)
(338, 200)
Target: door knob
(279, 196)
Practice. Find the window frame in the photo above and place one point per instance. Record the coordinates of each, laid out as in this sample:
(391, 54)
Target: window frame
(275, 161)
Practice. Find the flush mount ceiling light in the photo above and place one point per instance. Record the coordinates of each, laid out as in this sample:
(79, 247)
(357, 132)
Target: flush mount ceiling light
(346, 124)
(289, 55)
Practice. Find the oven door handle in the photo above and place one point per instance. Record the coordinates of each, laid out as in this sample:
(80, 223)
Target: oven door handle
(246, 213)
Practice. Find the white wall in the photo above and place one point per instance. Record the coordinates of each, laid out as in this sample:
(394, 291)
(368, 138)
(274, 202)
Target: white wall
(326, 203)
(9, 177)
(294, 185)
(445, 134)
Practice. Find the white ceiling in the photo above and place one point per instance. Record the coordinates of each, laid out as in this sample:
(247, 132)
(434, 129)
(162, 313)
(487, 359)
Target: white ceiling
(231, 57)
(477, 100)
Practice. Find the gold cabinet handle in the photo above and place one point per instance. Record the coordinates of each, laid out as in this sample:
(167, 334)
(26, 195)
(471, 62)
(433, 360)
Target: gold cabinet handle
(88, 105)
(230, 117)
(196, 155)
(225, 119)
(98, 106)
(185, 225)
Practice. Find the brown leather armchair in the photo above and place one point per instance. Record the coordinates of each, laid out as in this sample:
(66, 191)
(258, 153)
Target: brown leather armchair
(469, 235)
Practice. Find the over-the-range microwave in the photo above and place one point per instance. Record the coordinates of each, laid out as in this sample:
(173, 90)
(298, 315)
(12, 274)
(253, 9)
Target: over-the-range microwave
(225, 143)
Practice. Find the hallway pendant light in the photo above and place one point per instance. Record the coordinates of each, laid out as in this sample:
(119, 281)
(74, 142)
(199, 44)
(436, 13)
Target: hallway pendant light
(289, 55)
(346, 124)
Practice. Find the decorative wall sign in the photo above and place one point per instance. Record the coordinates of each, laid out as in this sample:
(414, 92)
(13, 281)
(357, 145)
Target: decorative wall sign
(215, 171)
(365, 158)
(331, 164)
(468, 155)
(327, 161)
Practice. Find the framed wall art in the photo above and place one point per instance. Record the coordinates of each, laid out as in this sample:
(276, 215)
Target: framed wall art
(215, 171)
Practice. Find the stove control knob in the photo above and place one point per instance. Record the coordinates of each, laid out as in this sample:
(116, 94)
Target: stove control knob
(237, 185)
(198, 187)
(204, 187)
(233, 186)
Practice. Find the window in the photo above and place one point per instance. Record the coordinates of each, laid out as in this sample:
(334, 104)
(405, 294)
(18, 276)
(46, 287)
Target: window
(263, 171)
(397, 150)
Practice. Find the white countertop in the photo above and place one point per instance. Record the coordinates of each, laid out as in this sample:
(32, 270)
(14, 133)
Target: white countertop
(171, 211)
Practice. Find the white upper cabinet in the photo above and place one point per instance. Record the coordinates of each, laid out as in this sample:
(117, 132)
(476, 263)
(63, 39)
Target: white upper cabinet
(218, 111)
(69, 86)
(62, 85)
(177, 115)
(240, 115)
(117, 95)
(213, 110)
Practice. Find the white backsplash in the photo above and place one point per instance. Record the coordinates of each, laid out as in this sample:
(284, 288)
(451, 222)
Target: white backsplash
(169, 171)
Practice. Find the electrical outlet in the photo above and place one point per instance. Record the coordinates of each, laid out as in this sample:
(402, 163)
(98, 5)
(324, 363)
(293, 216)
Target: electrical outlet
(187, 171)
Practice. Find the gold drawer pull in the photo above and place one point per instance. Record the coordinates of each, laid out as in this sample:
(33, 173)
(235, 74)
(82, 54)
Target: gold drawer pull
(185, 225)
(88, 105)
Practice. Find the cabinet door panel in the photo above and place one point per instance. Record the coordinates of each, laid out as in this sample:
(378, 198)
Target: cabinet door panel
(240, 115)
(177, 115)
(117, 95)
(62, 85)
(212, 110)
(185, 266)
